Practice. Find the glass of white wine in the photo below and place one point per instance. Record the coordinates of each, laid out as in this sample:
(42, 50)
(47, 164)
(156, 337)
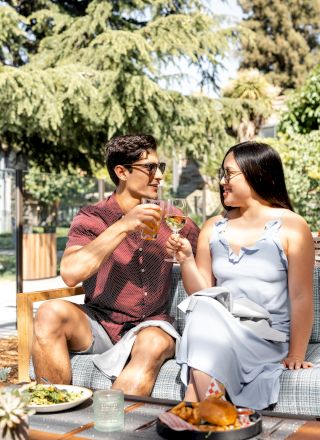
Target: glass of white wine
(176, 217)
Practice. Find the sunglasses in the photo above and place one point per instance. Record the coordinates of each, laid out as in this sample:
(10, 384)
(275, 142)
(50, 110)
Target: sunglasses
(150, 167)
(227, 175)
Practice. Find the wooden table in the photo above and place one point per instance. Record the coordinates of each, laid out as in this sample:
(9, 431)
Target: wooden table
(41, 435)
(77, 423)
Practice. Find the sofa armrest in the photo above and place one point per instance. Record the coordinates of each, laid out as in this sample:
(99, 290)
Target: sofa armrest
(25, 322)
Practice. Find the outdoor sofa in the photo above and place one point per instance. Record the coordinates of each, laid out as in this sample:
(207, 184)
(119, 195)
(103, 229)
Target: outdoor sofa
(300, 389)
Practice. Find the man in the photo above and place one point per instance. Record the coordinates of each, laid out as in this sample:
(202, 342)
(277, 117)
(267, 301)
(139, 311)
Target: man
(125, 279)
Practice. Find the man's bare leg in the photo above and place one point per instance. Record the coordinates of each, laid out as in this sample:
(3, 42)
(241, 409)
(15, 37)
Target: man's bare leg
(59, 326)
(151, 348)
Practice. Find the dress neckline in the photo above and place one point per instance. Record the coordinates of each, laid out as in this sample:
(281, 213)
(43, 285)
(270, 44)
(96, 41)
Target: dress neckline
(270, 227)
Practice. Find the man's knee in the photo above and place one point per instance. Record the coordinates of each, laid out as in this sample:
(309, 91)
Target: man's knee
(154, 344)
(50, 318)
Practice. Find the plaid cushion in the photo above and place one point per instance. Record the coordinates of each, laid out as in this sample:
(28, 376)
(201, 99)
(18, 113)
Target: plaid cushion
(178, 294)
(300, 389)
(168, 384)
(315, 336)
(86, 374)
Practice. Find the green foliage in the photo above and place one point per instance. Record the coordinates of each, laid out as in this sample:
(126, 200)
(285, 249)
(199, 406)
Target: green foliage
(96, 72)
(61, 243)
(6, 241)
(247, 103)
(197, 218)
(52, 188)
(4, 372)
(53, 192)
(303, 107)
(62, 232)
(7, 266)
(284, 43)
(300, 146)
(13, 38)
(301, 159)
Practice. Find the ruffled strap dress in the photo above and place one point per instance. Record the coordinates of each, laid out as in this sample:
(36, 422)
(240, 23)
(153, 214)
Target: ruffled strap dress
(217, 343)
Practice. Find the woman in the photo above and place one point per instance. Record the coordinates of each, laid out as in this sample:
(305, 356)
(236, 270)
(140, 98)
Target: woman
(260, 251)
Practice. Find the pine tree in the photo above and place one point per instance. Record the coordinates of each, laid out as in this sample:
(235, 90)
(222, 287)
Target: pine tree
(284, 41)
(77, 73)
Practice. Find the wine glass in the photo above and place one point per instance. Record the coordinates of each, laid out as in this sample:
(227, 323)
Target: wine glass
(176, 217)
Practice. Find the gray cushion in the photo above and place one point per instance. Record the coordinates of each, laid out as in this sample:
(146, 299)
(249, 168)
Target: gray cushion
(177, 295)
(300, 389)
(86, 374)
(167, 386)
(315, 336)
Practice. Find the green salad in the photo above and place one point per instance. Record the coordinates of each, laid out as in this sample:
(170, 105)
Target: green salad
(49, 395)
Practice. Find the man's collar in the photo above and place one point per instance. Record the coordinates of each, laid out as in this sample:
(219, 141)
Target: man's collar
(114, 211)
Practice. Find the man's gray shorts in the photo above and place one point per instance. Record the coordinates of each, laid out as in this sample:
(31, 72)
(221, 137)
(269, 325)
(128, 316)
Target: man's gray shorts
(101, 341)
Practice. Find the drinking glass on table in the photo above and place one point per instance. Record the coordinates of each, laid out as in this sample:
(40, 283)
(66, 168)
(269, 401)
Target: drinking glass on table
(176, 217)
(108, 410)
(152, 232)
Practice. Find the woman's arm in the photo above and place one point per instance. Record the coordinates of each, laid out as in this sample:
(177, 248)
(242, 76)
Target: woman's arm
(300, 252)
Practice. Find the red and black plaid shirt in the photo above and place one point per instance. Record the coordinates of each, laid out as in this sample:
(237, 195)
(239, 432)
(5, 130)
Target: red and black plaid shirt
(133, 284)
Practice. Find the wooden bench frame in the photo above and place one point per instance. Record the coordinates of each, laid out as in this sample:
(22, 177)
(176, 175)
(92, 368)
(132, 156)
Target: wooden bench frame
(25, 322)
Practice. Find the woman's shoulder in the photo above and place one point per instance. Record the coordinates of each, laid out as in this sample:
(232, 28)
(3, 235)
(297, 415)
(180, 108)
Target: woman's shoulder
(213, 220)
(286, 216)
(295, 227)
(291, 219)
(207, 228)
(298, 241)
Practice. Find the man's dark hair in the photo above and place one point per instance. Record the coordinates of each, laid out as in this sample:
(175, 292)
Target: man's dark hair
(262, 168)
(127, 149)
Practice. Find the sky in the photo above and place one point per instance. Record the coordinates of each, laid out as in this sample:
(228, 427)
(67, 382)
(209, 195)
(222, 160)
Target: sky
(232, 9)
(230, 63)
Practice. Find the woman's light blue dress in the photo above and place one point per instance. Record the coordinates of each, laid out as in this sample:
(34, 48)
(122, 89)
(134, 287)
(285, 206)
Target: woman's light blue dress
(216, 342)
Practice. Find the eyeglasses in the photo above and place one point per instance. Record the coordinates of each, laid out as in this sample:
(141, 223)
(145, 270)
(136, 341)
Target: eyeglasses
(150, 167)
(227, 175)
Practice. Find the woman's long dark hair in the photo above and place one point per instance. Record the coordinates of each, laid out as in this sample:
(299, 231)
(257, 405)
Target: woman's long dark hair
(262, 168)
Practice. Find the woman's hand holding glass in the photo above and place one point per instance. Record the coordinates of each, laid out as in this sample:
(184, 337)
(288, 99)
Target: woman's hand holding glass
(176, 217)
(179, 247)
